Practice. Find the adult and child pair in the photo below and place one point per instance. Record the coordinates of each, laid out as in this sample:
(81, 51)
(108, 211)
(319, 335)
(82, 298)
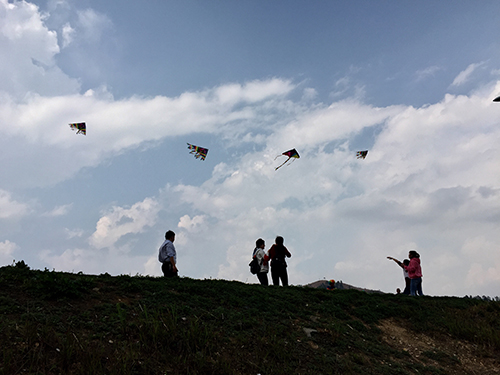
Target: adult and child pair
(412, 272)
(276, 255)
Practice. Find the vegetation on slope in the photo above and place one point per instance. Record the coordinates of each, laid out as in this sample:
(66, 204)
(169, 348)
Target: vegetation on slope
(62, 323)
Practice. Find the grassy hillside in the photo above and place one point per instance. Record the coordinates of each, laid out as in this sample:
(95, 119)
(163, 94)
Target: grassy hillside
(61, 323)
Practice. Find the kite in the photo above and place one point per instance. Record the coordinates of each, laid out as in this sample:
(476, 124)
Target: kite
(80, 126)
(362, 154)
(291, 154)
(497, 99)
(331, 284)
(198, 152)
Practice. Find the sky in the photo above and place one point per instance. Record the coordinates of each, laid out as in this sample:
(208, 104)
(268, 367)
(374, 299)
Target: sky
(412, 82)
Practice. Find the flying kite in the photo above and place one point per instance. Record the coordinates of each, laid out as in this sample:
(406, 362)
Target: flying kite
(198, 152)
(497, 99)
(80, 126)
(291, 154)
(362, 154)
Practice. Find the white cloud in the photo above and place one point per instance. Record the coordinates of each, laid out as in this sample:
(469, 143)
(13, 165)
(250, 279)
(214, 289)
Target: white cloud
(93, 25)
(348, 86)
(7, 250)
(28, 50)
(38, 129)
(464, 75)
(10, 208)
(309, 94)
(484, 270)
(191, 224)
(59, 211)
(122, 221)
(67, 35)
(427, 72)
(72, 233)
(333, 123)
(252, 91)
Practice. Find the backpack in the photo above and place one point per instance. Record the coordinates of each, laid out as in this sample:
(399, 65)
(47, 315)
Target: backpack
(254, 266)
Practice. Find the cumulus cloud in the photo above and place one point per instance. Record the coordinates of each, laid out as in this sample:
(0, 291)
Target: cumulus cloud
(191, 224)
(28, 50)
(67, 35)
(10, 208)
(122, 221)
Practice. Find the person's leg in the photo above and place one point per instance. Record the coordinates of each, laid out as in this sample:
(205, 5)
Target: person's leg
(413, 286)
(275, 275)
(407, 285)
(263, 278)
(284, 277)
(167, 269)
(419, 287)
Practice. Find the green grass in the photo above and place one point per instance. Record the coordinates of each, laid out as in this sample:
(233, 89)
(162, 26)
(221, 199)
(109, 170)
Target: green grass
(62, 323)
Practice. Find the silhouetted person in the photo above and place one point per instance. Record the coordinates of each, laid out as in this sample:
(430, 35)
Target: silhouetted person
(263, 260)
(415, 273)
(277, 253)
(168, 256)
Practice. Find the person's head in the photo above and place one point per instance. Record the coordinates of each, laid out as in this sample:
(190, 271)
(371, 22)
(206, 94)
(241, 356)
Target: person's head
(260, 243)
(413, 254)
(170, 235)
(398, 291)
(279, 240)
(406, 262)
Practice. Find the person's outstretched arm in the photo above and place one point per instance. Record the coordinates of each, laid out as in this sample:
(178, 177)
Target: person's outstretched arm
(397, 261)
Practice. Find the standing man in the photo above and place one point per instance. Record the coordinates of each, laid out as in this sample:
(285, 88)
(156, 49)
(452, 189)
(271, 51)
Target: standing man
(167, 255)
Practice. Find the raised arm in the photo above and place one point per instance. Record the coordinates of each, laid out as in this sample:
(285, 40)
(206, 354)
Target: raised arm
(397, 261)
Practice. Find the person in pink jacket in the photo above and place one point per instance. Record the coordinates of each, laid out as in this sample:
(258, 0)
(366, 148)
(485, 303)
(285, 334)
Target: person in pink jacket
(414, 273)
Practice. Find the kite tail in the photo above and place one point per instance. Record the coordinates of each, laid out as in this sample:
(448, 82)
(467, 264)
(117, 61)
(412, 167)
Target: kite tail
(279, 166)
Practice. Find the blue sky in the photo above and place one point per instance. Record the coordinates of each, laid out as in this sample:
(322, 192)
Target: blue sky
(411, 82)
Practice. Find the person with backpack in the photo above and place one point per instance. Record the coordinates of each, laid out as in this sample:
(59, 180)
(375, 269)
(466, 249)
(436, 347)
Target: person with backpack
(263, 261)
(277, 253)
(167, 255)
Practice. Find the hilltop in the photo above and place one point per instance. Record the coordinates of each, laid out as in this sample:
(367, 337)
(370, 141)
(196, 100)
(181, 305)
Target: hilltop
(64, 323)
